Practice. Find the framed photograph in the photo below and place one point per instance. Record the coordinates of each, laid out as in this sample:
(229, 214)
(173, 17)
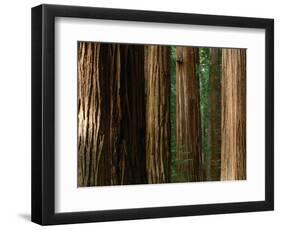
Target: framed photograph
(141, 114)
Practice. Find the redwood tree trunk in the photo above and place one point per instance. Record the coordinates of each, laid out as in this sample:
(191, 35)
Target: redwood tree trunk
(214, 129)
(113, 73)
(91, 134)
(133, 113)
(233, 146)
(188, 158)
(110, 118)
(157, 73)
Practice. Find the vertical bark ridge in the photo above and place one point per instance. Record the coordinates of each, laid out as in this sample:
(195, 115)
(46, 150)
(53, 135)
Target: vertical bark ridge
(133, 119)
(188, 158)
(233, 162)
(111, 127)
(90, 135)
(157, 74)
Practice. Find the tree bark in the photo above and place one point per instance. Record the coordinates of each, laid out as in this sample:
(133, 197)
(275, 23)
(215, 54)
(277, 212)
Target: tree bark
(214, 129)
(188, 158)
(91, 134)
(157, 74)
(233, 146)
(133, 116)
(110, 119)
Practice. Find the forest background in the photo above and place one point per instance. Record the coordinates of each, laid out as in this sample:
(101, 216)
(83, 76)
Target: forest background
(160, 114)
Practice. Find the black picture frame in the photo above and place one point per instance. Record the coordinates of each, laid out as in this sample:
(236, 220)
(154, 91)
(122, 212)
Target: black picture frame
(43, 114)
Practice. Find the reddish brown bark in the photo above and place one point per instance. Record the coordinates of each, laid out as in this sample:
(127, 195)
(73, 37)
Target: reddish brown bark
(110, 114)
(233, 146)
(188, 158)
(157, 74)
(91, 134)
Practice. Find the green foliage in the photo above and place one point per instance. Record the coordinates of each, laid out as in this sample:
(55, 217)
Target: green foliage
(204, 72)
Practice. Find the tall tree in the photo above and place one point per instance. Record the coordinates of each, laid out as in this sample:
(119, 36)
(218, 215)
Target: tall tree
(91, 134)
(214, 129)
(112, 68)
(111, 124)
(233, 142)
(133, 112)
(157, 74)
(188, 159)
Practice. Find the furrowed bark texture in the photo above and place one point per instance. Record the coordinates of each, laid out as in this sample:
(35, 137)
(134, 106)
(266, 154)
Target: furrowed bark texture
(233, 143)
(188, 158)
(91, 134)
(157, 74)
(113, 72)
(110, 130)
(214, 129)
(133, 118)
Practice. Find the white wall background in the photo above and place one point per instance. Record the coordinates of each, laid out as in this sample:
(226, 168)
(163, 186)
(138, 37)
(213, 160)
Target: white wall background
(15, 113)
